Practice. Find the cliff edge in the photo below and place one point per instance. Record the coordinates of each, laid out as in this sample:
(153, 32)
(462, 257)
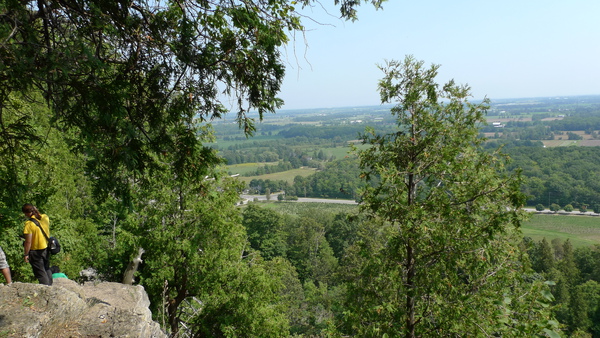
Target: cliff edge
(68, 309)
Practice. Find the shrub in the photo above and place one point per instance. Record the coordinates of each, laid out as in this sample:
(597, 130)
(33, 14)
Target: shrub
(539, 207)
(554, 207)
(568, 208)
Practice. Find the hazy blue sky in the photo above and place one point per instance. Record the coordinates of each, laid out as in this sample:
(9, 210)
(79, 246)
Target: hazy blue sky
(502, 49)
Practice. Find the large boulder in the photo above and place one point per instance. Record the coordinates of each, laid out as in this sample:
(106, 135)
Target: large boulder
(68, 309)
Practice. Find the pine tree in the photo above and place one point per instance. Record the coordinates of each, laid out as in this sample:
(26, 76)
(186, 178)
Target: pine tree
(448, 212)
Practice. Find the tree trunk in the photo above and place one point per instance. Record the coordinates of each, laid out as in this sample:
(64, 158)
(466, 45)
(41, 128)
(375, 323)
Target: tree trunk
(132, 268)
(410, 294)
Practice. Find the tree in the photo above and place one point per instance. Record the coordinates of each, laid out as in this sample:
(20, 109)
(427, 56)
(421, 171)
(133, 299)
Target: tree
(343, 232)
(135, 80)
(198, 270)
(448, 209)
(567, 264)
(265, 231)
(543, 256)
(579, 309)
(309, 251)
(539, 207)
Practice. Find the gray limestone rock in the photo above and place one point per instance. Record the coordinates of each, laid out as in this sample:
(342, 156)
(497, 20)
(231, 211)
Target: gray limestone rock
(68, 309)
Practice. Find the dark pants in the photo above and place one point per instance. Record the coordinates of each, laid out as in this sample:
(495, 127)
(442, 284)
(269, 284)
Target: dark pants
(40, 263)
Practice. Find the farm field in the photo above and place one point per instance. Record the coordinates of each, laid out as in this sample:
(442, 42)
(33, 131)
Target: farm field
(568, 143)
(296, 208)
(284, 175)
(337, 152)
(244, 168)
(587, 140)
(581, 230)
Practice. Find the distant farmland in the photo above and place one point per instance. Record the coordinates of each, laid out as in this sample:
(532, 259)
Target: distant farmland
(283, 176)
(580, 230)
(561, 140)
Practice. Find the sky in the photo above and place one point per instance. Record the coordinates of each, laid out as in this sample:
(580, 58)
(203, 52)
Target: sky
(501, 49)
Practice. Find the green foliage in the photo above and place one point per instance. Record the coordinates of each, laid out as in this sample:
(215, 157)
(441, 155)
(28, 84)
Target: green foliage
(195, 245)
(125, 96)
(343, 232)
(568, 208)
(544, 257)
(36, 166)
(560, 175)
(312, 208)
(339, 179)
(105, 111)
(309, 251)
(539, 207)
(554, 207)
(575, 284)
(449, 211)
(265, 229)
(134, 82)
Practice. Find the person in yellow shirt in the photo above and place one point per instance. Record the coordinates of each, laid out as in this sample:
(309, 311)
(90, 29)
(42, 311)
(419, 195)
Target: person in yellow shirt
(36, 244)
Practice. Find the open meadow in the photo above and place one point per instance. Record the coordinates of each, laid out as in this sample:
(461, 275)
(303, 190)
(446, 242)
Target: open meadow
(581, 230)
(287, 176)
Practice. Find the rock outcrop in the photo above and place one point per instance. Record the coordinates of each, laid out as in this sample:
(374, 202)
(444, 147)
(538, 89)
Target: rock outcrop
(68, 309)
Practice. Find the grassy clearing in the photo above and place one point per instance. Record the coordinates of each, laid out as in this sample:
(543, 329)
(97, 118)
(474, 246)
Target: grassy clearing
(284, 175)
(560, 143)
(296, 208)
(338, 152)
(245, 168)
(581, 230)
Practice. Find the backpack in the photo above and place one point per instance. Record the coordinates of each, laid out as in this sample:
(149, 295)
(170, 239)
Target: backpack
(53, 244)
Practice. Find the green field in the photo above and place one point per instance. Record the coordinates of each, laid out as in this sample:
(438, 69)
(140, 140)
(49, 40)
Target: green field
(283, 176)
(337, 152)
(296, 208)
(245, 168)
(581, 230)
